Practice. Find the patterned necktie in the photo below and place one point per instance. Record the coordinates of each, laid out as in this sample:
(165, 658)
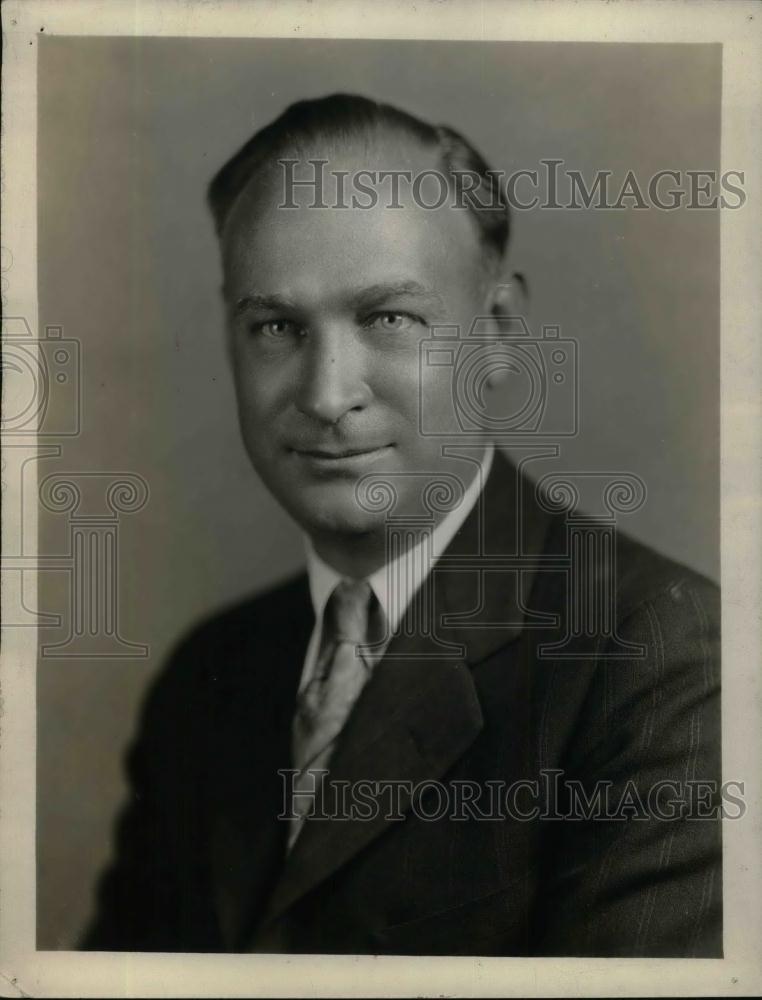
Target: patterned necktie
(341, 673)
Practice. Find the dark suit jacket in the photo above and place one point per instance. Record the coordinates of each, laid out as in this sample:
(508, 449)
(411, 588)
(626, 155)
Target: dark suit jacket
(535, 691)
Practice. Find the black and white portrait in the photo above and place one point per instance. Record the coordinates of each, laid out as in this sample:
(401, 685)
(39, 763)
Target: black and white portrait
(366, 528)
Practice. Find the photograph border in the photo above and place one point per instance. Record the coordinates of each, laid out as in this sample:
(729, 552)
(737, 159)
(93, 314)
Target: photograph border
(738, 26)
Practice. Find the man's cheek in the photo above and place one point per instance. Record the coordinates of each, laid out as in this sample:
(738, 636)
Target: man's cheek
(437, 402)
(256, 399)
(257, 427)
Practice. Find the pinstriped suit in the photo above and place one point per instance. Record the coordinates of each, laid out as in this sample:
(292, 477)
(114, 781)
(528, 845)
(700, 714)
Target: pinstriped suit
(200, 859)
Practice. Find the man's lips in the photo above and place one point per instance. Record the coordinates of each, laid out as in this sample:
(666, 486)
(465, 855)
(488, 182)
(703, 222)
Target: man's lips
(336, 454)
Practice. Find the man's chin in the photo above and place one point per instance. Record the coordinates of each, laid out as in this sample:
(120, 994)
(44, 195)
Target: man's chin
(324, 509)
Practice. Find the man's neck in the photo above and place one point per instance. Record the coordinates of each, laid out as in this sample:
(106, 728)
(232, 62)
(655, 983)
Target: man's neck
(360, 555)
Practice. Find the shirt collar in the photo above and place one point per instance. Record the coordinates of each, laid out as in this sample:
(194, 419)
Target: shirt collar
(396, 583)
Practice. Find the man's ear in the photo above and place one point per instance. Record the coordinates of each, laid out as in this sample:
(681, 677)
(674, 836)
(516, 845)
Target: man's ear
(508, 303)
(509, 300)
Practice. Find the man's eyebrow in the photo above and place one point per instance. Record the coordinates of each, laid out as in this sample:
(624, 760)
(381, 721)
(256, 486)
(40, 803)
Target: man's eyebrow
(256, 301)
(396, 289)
(363, 297)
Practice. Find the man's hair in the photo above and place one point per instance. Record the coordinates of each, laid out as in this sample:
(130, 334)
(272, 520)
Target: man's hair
(307, 125)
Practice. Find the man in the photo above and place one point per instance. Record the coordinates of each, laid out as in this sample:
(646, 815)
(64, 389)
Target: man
(445, 645)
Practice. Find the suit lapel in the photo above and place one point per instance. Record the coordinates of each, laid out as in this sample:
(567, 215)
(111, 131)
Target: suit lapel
(420, 711)
(412, 722)
(484, 580)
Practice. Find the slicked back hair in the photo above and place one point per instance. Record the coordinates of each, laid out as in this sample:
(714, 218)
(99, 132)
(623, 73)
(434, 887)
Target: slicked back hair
(312, 124)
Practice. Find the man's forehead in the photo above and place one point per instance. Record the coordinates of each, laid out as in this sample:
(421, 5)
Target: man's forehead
(357, 210)
(311, 252)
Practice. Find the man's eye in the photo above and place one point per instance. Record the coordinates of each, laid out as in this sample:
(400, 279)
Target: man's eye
(276, 329)
(393, 321)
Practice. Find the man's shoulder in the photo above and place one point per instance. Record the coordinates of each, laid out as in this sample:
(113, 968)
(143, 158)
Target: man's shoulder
(645, 576)
(261, 612)
(229, 643)
(628, 595)
(592, 552)
(605, 555)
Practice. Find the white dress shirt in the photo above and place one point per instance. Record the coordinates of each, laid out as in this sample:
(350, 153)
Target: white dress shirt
(407, 572)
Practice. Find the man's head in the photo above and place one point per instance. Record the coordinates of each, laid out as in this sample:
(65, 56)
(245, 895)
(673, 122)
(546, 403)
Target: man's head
(328, 306)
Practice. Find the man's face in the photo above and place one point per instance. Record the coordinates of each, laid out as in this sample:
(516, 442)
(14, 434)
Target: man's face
(327, 311)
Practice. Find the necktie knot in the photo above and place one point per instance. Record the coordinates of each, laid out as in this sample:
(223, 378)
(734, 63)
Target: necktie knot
(347, 611)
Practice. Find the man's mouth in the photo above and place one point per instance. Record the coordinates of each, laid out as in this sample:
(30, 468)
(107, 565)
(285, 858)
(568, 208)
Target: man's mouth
(327, 456)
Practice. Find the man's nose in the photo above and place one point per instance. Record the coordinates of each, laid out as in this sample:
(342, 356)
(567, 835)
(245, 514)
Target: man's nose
(332, 379)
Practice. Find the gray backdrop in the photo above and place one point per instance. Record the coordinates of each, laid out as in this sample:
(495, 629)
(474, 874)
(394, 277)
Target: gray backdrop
(129, 133)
